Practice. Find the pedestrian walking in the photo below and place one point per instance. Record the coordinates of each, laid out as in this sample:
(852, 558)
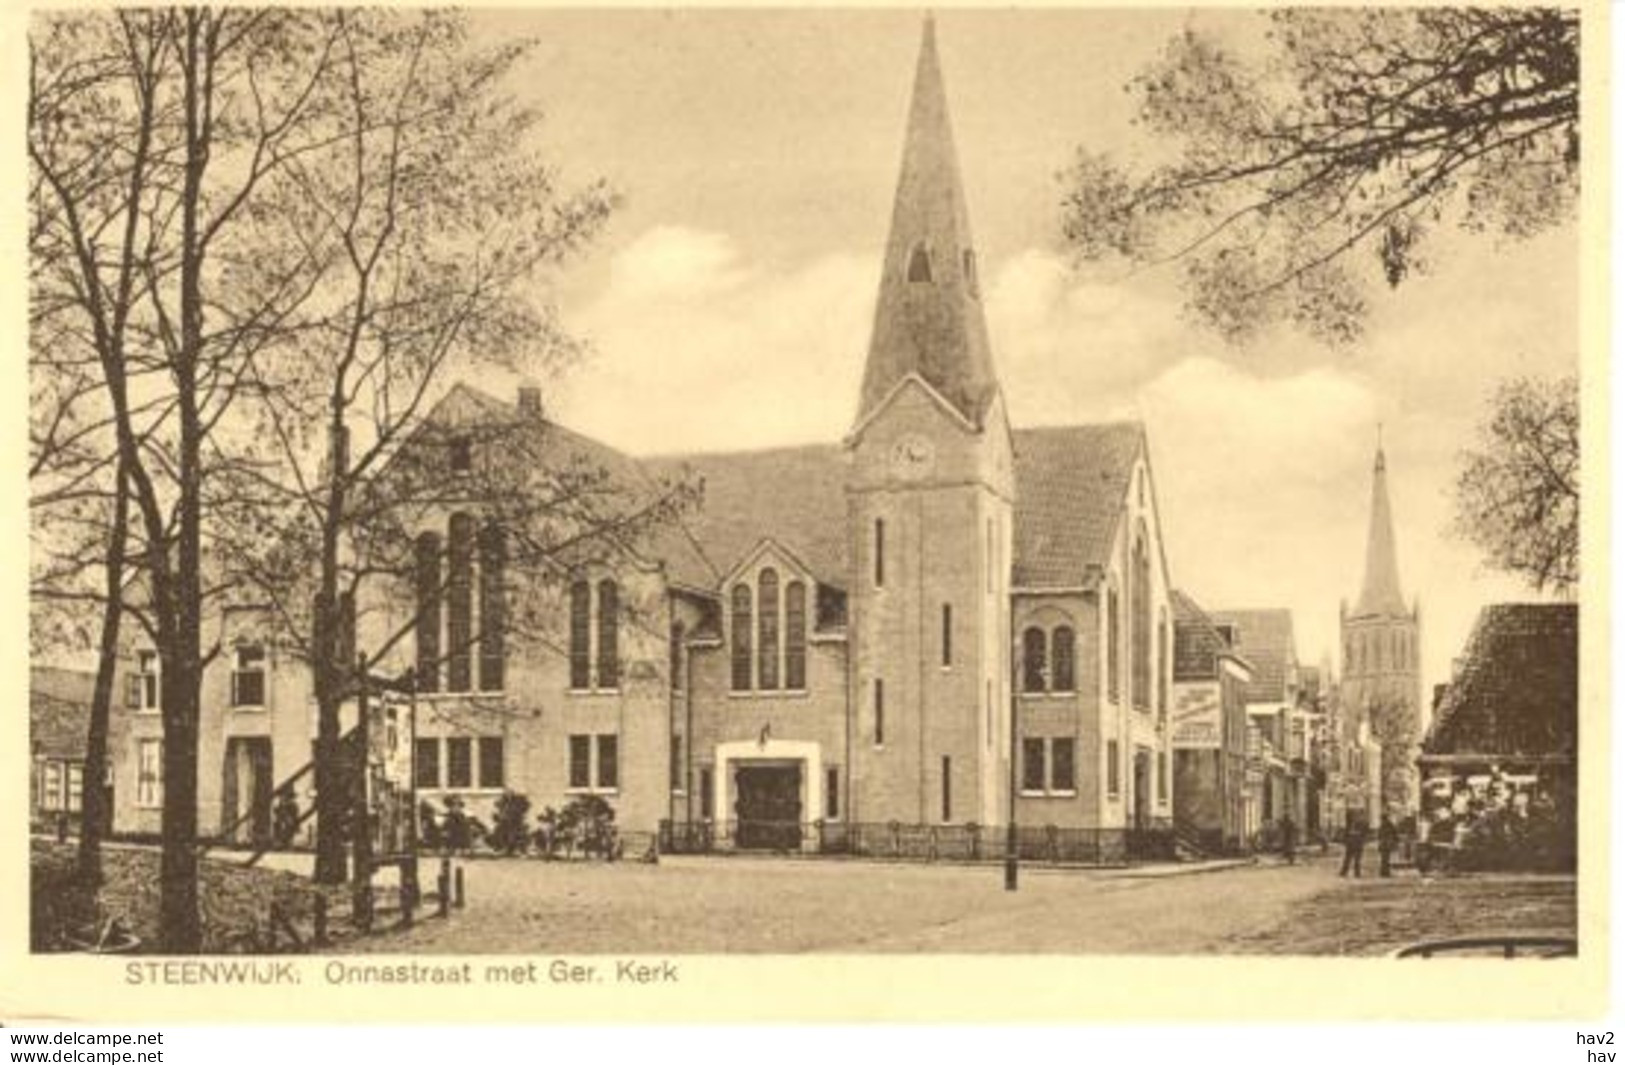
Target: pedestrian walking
(1289, 840)
(1353, 846)
(1387, 840)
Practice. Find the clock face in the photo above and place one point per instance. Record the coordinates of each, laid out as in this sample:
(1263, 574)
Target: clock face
(913, 456)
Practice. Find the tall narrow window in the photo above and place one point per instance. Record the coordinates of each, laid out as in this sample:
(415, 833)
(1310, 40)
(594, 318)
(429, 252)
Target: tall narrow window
(880, 552)
(1114, 769)
(609, 628)
(1162, 664)
(609, 765)
(1063, 659)
(767, 623)
(426, 762)
(493, 620)
(919, 265)
(832, 793)
(880, 712)
(795, 636)
(969, 260)
(459, 762)
(947, 634)
(428, 619)
(149, 780)
(459, 602)
(707, 809)
(580, 636)
(1140, 621)
(248, 678)
(1063, 771)
(1114, 644)
(493, 767)
(581, 761)
(678, 681)
(1032, 764)
(676, 761)
(1162, 776)
(1033, 666)
(947, 789)
(741, 637)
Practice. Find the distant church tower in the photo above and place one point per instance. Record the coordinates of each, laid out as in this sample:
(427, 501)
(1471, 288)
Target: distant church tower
(1382, 677)
(929, 510)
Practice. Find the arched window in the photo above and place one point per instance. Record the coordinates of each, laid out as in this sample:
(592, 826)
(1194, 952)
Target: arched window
(767, 627)
(460, 603)
(1114, 644)
(1063, 658)
(795, 636)
(428, 615)
(493, 620)
(580, 635)
(741, 638)
(676, 667)
(919, 264)
(609, 632)
(1033, 666)
(1140, 620)
(1162, 661)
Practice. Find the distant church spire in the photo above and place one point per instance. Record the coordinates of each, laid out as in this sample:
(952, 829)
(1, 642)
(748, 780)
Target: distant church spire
(1380, 594)
(928, 319)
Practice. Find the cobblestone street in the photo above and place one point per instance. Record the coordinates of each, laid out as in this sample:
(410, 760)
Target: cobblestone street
(764, 905)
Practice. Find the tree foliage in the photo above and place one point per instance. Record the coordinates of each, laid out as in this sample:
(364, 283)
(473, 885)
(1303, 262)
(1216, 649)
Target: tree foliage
(1331, 158)
(1518, 490)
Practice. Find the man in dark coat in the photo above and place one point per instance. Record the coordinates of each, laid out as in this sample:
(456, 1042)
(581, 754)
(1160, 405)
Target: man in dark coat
(1387, 840)
(1353, 846)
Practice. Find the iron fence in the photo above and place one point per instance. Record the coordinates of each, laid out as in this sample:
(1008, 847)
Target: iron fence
(900, 841)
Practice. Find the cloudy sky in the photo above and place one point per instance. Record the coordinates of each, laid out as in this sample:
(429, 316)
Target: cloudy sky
(729, 304)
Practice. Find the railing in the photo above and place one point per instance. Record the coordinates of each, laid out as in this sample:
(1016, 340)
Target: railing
(899, 841)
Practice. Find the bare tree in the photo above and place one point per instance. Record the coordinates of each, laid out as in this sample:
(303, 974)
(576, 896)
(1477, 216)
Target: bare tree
(1352, 133)
(1518, 491)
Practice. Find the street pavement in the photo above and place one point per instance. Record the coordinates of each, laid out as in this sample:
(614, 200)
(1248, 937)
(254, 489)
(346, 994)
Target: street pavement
(784, 905)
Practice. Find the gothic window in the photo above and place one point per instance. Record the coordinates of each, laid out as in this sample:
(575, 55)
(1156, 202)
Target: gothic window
(880, 712)
(880, 553)
(428, 614)
(741, 636)
(1140, 620)
(1114, 642)
(459, 602)
(969, 260)
(1162, 663)
(609, 627)
(919, 264)
(1033, 665)
(947, 635)
(676, 666)
(795, 636)
(1063, 659)
(580, 635)
(767, 651)
(493, 567)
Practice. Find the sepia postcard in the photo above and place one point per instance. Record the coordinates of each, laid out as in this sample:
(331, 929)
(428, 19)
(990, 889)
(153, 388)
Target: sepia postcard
(546, 513)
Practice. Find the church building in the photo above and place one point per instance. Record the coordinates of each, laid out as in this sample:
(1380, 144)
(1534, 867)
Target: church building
(1381, 639)
(933, 621)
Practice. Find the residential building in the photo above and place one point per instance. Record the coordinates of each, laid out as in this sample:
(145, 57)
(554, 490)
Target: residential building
(1214, 804)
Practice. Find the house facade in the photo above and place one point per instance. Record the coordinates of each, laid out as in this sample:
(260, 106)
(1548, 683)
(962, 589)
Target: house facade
(932, 622)
(1216, 801)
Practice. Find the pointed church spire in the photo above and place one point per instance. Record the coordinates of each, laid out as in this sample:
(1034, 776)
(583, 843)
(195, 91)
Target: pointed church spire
(928, 319)
(1380, 594)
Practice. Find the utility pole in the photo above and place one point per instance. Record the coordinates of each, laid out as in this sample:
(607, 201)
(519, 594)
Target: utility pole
(1012, 856)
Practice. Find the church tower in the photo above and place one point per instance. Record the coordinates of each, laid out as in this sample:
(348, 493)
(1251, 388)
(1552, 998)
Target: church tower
(1381, 657)
(929, 494)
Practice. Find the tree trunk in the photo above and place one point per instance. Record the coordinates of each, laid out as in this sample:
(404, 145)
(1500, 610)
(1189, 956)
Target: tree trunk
(179, 928)
(331, 792)
(94, 816)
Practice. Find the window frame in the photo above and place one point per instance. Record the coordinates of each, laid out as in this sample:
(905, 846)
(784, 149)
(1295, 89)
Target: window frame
(240, 671)
(149, 782)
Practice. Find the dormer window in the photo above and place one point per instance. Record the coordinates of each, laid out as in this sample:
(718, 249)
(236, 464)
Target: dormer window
(462, 454)
(919, 265)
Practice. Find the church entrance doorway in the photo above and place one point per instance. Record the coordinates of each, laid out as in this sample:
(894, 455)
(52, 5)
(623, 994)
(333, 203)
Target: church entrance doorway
(768, 807)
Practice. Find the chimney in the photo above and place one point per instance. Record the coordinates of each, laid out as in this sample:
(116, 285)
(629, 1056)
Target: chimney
(530, 402)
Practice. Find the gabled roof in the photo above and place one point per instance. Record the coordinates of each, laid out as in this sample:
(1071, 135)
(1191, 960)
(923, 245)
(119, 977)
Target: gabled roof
(1198, 644)
(1071, 485)
(59, 711)
(1517, 688)
(794, 496)
(1266, 638)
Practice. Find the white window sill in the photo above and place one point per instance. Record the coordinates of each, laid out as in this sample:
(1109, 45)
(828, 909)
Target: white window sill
(1047, 794)
(249, 709)
(592, 791)
(769, 693)
(593, 691)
